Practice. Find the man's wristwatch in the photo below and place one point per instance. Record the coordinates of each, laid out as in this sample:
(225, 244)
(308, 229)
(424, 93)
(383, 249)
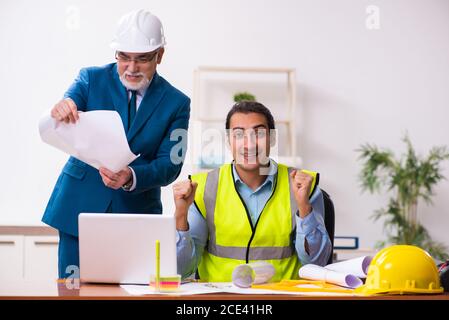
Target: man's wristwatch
(128, 185)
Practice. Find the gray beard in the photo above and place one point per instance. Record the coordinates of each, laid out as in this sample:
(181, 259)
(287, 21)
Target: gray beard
(143, 84)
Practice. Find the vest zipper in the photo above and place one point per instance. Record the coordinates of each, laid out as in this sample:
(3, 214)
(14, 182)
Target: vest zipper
(253, 228)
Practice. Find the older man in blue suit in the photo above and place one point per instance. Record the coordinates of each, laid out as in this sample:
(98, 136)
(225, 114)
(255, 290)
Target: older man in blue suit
(155, 116)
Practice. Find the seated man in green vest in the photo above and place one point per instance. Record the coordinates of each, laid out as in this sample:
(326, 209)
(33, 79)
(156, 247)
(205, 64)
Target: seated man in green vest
(251, 209)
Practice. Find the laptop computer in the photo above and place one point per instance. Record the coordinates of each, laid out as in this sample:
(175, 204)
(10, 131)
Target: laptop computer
(120, 248)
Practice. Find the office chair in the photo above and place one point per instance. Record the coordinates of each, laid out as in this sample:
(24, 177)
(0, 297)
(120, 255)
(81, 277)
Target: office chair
(329, 220)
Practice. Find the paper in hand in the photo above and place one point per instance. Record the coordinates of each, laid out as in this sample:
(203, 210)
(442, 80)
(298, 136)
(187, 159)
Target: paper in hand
(97, 138)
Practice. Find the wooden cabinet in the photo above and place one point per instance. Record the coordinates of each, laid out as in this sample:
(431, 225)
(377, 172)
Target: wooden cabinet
(28, 253)
(41, 257)
(11, 257)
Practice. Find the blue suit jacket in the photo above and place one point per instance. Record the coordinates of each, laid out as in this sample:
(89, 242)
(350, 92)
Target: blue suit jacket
(79, 187)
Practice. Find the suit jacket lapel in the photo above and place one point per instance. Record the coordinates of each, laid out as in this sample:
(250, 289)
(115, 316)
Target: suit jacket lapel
(148, 105)
(119, 97)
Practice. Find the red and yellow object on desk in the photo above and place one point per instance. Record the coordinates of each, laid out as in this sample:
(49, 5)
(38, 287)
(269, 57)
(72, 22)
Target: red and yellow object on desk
(163, 283)
(166, 283)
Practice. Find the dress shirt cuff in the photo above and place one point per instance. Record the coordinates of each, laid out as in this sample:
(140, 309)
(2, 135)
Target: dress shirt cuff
(133, 186)
(308, 224)
(182, 237)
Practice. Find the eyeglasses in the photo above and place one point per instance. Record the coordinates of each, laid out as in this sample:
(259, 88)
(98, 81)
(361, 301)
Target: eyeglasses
(239, 134)
(123, 58)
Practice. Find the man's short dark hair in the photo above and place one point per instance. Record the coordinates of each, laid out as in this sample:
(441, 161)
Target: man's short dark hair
(250, 107)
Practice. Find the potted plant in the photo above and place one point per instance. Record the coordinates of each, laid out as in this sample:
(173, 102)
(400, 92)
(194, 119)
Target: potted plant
(409, 179)
(244, 96)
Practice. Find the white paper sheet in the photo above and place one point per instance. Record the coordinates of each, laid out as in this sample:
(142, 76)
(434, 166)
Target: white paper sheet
(221, 287)
(97, 138)
(185, 289)
(314, 272)
(357, 266)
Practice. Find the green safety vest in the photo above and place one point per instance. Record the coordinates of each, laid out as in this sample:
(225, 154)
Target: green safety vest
(233, 240)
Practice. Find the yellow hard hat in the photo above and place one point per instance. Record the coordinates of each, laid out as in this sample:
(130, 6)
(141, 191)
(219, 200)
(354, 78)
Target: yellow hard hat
(402, 269)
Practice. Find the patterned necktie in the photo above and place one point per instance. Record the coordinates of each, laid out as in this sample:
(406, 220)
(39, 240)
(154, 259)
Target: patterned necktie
(132, 108)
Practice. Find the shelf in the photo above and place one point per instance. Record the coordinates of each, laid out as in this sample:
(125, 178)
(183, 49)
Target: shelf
(244, 69)
(290, 105)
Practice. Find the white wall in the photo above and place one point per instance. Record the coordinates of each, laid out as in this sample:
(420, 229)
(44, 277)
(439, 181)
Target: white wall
(355, 85)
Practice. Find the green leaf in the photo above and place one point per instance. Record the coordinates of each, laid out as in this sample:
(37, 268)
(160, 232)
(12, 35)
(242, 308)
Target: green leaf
(408, 180)
(244, 96)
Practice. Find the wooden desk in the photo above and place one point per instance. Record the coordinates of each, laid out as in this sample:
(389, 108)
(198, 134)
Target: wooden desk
(55, 290)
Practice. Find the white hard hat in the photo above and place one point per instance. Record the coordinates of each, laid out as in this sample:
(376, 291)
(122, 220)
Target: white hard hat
(138, 31)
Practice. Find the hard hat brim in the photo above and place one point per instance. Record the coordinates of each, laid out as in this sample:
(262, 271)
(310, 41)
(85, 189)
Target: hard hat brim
(133, 48)
(365, 290)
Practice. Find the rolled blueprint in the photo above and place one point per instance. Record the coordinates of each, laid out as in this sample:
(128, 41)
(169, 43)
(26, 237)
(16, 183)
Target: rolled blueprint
(357, 267)
(314, 272)
(245, 275)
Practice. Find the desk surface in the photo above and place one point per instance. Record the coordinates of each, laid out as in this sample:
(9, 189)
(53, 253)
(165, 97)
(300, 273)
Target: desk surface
(58, 290)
